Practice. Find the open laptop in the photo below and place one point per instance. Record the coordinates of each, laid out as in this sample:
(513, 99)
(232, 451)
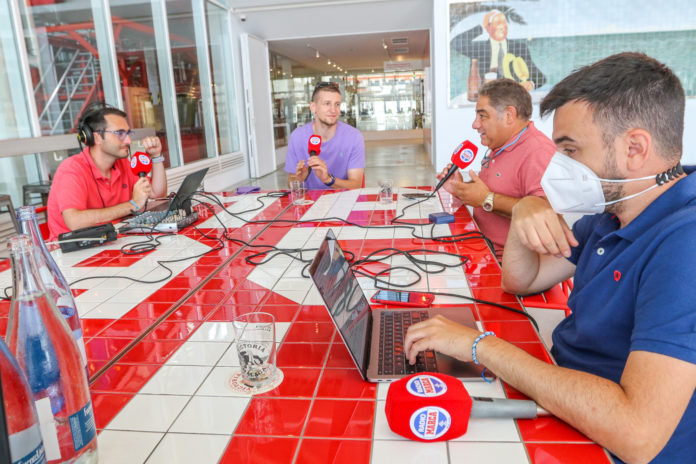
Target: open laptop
(375, 343)
(171, 215)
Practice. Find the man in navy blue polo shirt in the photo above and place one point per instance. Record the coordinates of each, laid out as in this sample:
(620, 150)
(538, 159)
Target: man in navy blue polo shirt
(627, 353)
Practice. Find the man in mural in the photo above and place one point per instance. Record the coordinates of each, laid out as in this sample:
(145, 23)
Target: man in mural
(341, 161)
(499, 57)
(517, 156)
(626, 356)
(97, 185)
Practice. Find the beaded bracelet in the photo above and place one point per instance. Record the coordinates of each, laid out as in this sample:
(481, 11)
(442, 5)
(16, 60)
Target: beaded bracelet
(478, 339)
(473, 353)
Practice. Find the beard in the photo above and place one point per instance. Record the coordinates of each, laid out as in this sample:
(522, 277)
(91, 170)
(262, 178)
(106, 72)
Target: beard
(612, 191)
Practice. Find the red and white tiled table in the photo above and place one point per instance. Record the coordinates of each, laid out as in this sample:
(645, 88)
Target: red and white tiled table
(160, 354)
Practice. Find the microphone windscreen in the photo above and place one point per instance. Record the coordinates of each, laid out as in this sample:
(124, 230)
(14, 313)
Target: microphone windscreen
(140, 164)
(314, 147)
(464, 154)
(428, 407)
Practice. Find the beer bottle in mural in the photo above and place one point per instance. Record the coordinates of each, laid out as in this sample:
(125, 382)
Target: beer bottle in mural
(472, 92)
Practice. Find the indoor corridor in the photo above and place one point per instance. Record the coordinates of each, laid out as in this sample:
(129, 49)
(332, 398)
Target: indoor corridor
(406, 162)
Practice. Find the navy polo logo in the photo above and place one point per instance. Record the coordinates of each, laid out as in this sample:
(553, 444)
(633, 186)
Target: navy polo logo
(617, 275)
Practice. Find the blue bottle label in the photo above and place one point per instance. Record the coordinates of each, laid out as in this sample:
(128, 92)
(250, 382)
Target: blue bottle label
(26, 447)
(82, 427)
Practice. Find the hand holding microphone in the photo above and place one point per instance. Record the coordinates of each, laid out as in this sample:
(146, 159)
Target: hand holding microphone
(462, 157)
(141, 165)
(435, 407)
(313, 148)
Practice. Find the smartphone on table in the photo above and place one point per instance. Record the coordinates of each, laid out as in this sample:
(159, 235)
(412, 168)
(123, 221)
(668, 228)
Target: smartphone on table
(417, 299)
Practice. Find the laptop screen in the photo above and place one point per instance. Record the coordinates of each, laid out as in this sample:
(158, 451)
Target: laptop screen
(344, 299)
(182, 199)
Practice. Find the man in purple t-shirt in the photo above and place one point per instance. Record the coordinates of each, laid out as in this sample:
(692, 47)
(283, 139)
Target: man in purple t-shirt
(341, 161)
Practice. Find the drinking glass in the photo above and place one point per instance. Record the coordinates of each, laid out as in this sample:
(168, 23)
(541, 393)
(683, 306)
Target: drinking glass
(256, 348)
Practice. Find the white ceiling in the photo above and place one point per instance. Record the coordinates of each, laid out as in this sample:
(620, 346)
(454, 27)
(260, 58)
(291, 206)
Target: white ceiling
(361, 52)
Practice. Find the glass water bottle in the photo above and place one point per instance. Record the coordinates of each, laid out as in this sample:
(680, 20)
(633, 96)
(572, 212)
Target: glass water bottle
(25, 441)
(44, 347)
(54, 280)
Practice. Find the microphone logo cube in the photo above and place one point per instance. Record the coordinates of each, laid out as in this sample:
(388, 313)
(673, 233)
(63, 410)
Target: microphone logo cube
(467, 155)
(430, 422)
(144, 159)
(426, 386)
(315, 140)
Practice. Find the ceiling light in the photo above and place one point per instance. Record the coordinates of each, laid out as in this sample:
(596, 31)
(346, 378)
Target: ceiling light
(328, 62)
(317, 53)
(384, 45)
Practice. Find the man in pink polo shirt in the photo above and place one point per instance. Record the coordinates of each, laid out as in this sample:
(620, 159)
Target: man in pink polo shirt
(516, 159)
(97, 185)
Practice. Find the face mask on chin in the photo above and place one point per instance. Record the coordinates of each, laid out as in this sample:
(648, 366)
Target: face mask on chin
(572, 187)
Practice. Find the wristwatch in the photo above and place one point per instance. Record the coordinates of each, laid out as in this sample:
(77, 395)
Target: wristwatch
(157, 159)
(488, 202)
(331, 182)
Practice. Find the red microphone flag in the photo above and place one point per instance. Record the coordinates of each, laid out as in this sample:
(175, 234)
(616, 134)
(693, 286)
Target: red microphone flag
(140, 164)
(428, 407)
(314, 147)
(464, 154)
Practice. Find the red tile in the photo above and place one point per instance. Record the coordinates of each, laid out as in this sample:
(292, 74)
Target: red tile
(513, 331)
(341, 419)
(339, 356)
(484, 280)
(184, 282)
(281, 313)
(107, 405)
(317, 451)
(313, 313)
(207, 297)
(302, 354)
(496, 295)
(104, 349)
(566, 453)
(277, 299)
(188, 312)
(147, 310)
(126, 328)
(345, 383)
(167, 295)
(246, 297)
(274, 416)
(315, 332)
(151, 352)
(173, 330)
(92, 327)
(494, 313)
(297, 383)
(122, 378)
(227, 312)
(548, 429)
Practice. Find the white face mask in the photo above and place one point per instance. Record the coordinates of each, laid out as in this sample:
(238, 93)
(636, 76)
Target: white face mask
(572, 187)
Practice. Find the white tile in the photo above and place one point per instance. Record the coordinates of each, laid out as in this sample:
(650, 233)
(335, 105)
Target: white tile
(547, 319)
(411, 452)
(230, 358)
(494, 453)
(108, 310)
(382, 430)
(149, 413)
(296, 296)
(482, 430)
(297, 284)
(213, 332)
(216, 383)
(118, 447)
(208, 414)
(99, 294)
(198, 354)
(176, 380)
(177, 448)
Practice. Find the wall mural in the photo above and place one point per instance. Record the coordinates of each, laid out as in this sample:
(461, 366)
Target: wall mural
(539, 42)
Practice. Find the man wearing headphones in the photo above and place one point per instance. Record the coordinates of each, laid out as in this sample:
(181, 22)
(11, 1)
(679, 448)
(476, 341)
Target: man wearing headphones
(97, 185)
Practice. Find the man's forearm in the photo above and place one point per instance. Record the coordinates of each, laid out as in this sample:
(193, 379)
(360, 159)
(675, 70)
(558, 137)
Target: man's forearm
(76, 219)
(520, 265)
(159, 181)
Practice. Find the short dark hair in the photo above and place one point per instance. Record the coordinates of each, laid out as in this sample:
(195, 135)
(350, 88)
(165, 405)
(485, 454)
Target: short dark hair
(506, 92)
(95, 114)
(325, 86)
(624, 91)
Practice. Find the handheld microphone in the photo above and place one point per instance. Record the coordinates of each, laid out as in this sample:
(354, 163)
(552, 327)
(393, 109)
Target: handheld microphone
(313, 148)
(436, 407)
(140, 164)
(462, 157)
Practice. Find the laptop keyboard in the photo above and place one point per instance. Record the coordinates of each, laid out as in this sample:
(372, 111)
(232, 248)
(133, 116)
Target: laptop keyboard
(392, 360)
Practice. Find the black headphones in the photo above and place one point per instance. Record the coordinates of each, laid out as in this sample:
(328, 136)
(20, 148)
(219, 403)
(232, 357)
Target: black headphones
(85, 132)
